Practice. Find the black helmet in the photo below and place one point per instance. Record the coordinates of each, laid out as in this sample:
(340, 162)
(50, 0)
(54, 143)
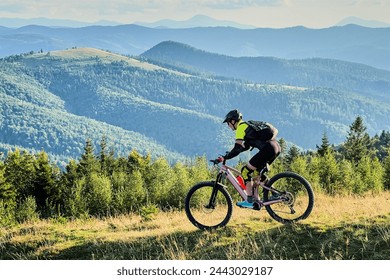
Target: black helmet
(233, 115)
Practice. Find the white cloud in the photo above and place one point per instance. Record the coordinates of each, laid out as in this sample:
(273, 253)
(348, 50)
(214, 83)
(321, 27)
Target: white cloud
(237, 4)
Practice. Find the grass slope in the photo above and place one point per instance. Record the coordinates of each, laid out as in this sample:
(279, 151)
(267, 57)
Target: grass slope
(340, 228)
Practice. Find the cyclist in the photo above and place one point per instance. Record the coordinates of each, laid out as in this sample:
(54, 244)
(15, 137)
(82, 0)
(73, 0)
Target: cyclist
(268, 151)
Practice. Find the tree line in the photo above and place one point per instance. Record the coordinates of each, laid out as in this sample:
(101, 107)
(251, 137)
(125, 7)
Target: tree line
(102, 184)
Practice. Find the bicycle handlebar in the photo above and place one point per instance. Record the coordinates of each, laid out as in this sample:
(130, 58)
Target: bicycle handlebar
(217, 161)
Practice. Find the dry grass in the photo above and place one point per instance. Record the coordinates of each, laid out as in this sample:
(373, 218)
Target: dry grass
(338, 228)
(105, 56)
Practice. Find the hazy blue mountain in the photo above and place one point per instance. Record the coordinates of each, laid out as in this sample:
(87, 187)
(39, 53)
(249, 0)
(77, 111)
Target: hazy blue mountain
(349, 43)
(363, 22)
(196, 21)
(55, 100)
(20, 22)
(313, 72)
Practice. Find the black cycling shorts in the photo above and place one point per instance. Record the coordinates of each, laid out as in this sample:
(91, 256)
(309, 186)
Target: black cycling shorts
(267, 154)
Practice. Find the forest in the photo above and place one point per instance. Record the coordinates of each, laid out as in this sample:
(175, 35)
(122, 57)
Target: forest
(102, 184)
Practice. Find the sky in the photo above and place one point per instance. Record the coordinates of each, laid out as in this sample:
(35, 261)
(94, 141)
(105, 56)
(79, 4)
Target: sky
(258, 13)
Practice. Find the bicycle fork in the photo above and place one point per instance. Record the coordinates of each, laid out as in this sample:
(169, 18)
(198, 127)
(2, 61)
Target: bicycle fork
(214, 192)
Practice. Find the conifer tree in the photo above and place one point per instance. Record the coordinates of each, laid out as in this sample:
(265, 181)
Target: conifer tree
(45, 181)
(358, 141)
(19, 172)
(158, 182)
(106, 157)
(7, 193)
(325, 146)
(292, 154)
(382, 144)
(88, 163)
(283, 145)
(137, 162)
(329, 173)
(386, 167)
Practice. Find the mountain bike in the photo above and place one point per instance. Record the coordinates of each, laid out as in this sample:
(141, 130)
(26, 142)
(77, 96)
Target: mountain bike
(287, 196)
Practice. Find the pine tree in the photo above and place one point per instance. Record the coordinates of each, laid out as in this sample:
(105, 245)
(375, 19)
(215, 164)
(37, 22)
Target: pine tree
(382, 144)
(386, 175)
(357, 144)
(325, 146)
(159, 180)
(19, 172)
(329, 173)
(106, 158)
(283, 145)
(88, 163)
(7, 192)
(137, 162)
(292, 154)
(44, 181)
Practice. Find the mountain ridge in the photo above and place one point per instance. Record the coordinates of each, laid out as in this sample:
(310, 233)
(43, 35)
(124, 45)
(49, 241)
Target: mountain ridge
(193, 22)
(317, 72)
(350, 43)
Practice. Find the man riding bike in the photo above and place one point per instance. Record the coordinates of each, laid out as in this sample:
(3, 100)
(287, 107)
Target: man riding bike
(268, 150)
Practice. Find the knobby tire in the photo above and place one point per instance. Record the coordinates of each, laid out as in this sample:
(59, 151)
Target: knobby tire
(198, 212)
(299, 189)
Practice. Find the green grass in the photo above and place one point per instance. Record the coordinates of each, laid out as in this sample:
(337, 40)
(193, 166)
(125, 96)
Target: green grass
(346, 228)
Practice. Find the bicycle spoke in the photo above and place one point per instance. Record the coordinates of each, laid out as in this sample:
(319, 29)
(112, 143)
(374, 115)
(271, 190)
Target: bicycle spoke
(207, 209)
(296, 196)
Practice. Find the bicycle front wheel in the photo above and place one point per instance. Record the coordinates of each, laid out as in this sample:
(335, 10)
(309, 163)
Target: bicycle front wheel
(295, 196)
(208, 206)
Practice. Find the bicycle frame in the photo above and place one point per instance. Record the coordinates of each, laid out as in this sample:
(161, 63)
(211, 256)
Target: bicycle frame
(229, 171)
(293, 194)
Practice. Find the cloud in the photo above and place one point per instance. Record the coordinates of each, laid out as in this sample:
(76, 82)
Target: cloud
(239, 4)
(44, 6)
(93, 10)
(9, 6)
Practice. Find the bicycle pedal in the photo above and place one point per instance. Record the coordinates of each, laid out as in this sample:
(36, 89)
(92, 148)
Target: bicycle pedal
(256, 206)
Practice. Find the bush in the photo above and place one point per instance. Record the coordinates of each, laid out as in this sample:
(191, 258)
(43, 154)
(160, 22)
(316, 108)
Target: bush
(148, 212)
(128, 192)
(26, 211)
(98, 194)
(7, 214)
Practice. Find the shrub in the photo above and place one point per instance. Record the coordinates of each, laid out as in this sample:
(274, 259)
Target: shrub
(26, 211)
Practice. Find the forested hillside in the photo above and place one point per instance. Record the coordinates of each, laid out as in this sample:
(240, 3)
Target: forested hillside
(54, 101)
(313, 72)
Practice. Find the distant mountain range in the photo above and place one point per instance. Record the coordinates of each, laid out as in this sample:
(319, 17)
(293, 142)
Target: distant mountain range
(56, 100)
(351, 43)
(195, 21)
(363, 22)
(51, 22)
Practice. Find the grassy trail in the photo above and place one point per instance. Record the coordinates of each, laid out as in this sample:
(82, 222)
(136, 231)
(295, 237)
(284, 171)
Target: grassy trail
(338, 228)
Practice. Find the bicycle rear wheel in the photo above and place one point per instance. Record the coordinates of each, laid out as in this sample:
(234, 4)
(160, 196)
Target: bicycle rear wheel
(208, 207)
(295, 196)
